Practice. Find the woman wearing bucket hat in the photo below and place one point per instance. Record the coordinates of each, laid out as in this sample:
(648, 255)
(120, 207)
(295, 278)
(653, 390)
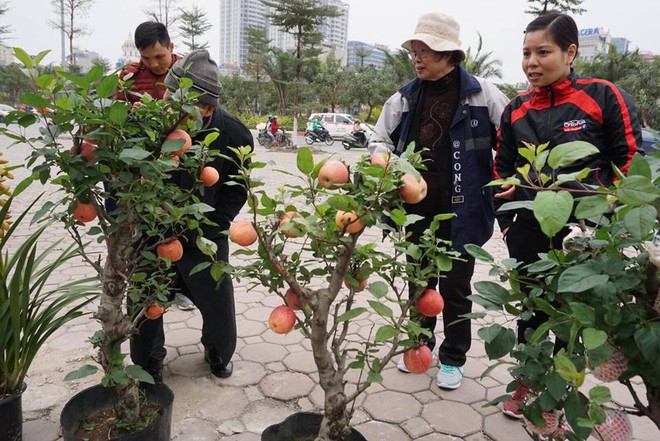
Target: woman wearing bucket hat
(453, 116)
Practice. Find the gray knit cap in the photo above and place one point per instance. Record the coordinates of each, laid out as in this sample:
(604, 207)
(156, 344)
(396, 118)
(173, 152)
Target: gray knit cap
(202, 70)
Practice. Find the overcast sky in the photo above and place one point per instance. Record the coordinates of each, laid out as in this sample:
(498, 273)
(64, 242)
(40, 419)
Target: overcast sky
(388, 22)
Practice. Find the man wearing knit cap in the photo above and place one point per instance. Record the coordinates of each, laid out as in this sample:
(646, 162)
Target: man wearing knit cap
(452, 117)
(216, 303)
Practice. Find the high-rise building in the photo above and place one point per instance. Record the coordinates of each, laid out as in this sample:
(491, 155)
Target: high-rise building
(593, 41)
(621, 44)
(362, 54)
(237, 15)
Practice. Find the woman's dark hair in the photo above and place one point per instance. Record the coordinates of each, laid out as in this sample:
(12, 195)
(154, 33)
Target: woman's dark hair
(561, 28)
(453, 57)
(149, 33)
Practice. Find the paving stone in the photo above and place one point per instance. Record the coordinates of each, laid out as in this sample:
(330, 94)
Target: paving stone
(502, 428)
(195, 429)
(189, 365)
(483, 409)
(393, 379)
(258, 314)
(231, 427)
(286, 385)
(425, 396)
(37, 399)
(250, 328)
(295, 337)
(378, 430)
(416, 427)
(469, 392)
(443, 417)
(245, 373)
(40, 430)
(644, 429)
(393, 407)
(71, 341)
(276, 366)
(242, 437)
(438, 437)
(478, 437)
(190, 349)
(262, 414)
(182, 337)
(302, 361)
(219, 402)
(263, 352)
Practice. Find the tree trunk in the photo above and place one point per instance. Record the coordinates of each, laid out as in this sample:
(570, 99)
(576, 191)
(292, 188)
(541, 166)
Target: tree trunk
(653, 396)
(116, 325)
(335, 419)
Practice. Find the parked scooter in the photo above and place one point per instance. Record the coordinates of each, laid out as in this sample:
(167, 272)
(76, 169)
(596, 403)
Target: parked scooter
(324, 136)
(356, 141)
(282, 139)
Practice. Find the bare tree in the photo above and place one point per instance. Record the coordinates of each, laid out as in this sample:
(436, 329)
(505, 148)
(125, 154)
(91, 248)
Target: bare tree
(4, 29)
(193, 23)
(73, 11)
(163, 11)
(540, 7)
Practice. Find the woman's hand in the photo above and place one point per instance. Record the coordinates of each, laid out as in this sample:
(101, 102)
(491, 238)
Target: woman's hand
(508, 193)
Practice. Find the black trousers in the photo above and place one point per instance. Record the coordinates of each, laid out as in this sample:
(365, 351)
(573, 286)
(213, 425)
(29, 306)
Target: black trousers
(454, 287)
(525, 241)
(215, 303)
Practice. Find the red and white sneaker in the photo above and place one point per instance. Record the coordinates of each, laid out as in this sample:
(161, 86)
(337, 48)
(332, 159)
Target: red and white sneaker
(511, 408)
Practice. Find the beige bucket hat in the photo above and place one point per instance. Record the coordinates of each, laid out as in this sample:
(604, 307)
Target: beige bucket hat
(440, 32)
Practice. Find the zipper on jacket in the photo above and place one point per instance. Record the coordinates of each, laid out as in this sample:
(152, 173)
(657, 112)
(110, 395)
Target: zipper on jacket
(548, 127)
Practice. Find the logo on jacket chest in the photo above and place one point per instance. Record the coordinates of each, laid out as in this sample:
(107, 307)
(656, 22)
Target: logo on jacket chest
(575, 125)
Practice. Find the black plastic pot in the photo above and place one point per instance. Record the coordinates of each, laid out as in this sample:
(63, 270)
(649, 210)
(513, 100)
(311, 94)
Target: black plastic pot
(93, 399)
(11, 417)
(302, 426)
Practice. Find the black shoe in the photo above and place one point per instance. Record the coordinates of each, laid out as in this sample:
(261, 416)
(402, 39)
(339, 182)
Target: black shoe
(218, 368)
(155, 369)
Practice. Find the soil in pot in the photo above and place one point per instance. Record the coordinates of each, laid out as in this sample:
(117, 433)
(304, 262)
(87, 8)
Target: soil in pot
(11, 416)
(89, 416)
(302, 426)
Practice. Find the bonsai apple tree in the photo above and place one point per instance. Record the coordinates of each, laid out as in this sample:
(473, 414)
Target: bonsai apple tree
(116, 168)
(600, 291)
(307, 250)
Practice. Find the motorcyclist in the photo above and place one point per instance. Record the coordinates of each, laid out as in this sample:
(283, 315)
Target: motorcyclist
(275, 129)
(318, 129)
(358, 132)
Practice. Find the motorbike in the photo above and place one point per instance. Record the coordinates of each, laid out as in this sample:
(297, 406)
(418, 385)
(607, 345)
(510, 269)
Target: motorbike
(282, 139)
(354, 141)
(311, 137)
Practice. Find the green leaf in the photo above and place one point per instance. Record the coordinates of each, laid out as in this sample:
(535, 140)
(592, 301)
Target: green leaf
(23, 57)
(501, 344)
(565, 368)
(139, 374)
(479, 253)
(386, 333)
(40, 56)
(305, 160)
(636, 190)
(380, 308)
(517, 205)
(552, 210)
(584, 314)
(648, 341)
(206, 246)
(492, 291)
(591, 206)
(218, 270)
(343, 202)
(640, 220)
(351, 314)
(574, 408)
(600, 394)
(555, 385)
(639, 167)
(134, 153)
(107, 86)
(593, 338)
(566, 154)
(64, 102)
(580, 278)
(34, 100)
(378, 289)
(83, 371)
(398, 217)
(118, 113)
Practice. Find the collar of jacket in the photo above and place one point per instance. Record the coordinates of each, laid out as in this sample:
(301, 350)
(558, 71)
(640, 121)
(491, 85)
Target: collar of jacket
(559, 88)
(468, 85)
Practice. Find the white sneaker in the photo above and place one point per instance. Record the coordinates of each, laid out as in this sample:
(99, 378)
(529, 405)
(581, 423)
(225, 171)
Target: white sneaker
(449, 377)
(184, 303)
(401, 365)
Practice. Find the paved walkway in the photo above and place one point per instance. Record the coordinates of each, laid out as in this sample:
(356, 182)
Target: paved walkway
(274, 375)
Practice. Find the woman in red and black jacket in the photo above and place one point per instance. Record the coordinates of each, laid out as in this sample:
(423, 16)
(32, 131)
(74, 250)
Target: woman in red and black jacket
(560, 107)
